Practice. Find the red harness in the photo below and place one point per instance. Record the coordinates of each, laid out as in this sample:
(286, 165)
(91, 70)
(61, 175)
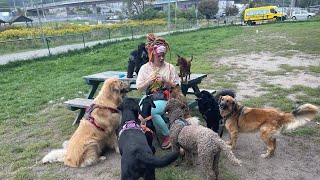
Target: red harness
(87, 116)
(143, 124)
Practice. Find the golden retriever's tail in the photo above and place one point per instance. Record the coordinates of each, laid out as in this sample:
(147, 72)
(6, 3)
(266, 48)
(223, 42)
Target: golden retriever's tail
(300, 116)
(228, 152)
(152, 160)
(56, 155)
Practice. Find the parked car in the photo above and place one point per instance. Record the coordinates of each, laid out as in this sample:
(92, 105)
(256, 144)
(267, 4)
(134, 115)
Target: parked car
(301, 14)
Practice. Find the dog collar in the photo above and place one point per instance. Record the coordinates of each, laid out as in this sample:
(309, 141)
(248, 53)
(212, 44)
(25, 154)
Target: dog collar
(180, 120)
(129, 125)
(225, 118)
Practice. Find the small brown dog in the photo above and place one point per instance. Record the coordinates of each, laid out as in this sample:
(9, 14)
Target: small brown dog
(268, 120)
(175, 92)
(185, 66)
(96, 131)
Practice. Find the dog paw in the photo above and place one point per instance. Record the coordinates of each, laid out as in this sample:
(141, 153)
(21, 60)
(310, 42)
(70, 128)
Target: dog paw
(266, 155)
(102, 158)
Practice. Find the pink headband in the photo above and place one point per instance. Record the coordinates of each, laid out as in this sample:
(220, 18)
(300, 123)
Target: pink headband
(161, 49)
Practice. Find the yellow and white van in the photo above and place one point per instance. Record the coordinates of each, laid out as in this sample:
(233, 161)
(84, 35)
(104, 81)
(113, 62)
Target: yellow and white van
(262, 14)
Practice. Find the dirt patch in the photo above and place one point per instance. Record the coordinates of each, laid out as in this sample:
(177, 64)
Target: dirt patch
(296, 157)
(255, 67)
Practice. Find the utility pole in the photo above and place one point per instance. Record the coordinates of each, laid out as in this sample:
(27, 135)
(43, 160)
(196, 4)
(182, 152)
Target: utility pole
(169, 17)
(175, 15)
(40, 23)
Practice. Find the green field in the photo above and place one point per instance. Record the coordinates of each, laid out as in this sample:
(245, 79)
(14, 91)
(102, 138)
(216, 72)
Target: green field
(32, 92)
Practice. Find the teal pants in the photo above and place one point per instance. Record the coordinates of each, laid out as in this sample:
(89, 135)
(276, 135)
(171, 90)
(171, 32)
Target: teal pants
(156, 114)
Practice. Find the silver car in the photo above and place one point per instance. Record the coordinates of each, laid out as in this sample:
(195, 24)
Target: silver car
(301, 14)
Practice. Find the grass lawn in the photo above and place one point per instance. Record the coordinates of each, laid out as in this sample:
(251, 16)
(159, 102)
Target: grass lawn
(32, 92)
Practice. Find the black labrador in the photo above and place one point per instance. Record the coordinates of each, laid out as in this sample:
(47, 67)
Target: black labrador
(137, 159)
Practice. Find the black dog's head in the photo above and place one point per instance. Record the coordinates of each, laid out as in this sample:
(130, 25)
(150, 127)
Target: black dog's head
(143, 51)
(130, 110)
(205, 100)
(147, 103)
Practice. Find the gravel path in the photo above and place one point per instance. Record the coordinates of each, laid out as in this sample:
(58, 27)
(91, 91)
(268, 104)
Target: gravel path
(4, 59)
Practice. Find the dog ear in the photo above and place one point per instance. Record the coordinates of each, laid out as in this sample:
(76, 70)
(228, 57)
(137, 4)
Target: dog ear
(116, 86)
(235, 106)
(141, 102)
(153, 105)
(220, 98)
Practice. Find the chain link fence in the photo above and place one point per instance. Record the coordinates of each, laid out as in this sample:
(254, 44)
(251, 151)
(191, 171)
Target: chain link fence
(23, 45)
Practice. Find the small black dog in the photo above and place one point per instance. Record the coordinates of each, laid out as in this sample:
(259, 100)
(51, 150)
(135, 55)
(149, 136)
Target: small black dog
(146, 120)
(137, 58)
(137, 159)
(209, 108)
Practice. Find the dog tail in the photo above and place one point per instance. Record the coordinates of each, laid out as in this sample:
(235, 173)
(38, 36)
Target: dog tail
(191, 58)
(56, 155)
(193, 120)
(300, 116)
(227, 151)
(158, 161)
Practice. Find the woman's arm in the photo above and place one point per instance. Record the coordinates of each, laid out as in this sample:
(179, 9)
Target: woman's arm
(143, 86)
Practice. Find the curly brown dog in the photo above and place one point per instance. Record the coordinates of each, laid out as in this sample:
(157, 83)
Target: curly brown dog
(185, 66)
(196, 139)
(96, 131)
(268, 120)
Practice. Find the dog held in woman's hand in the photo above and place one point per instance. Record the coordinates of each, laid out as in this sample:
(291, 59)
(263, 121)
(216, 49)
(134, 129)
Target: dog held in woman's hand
(269, 121)
(196, 139)
(146, 120)
(185, 67)
(96, 131)
(137, 159)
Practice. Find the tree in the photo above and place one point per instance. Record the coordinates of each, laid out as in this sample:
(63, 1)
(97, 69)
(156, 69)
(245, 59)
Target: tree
(4, 7)
(209, 8)
(231, 10)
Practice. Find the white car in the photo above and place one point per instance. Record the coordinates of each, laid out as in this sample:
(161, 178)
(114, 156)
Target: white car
(301, 14)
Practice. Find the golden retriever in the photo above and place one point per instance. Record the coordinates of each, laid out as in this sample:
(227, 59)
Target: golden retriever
(268, 120)
(96, 131)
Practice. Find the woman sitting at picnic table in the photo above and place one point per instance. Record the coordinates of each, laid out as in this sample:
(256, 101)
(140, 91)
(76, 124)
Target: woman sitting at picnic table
(155, 75)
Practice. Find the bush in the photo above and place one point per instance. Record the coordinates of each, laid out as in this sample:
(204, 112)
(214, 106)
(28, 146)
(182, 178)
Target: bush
(147, 15)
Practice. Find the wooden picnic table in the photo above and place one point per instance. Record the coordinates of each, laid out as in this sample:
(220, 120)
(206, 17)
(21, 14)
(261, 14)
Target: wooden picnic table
(95, 79)
(187, 87)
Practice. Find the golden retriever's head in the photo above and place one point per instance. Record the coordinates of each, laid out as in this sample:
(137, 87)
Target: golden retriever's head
(227, 105)
(111, 92)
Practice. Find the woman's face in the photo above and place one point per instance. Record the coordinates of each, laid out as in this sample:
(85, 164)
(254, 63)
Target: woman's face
(160, 59)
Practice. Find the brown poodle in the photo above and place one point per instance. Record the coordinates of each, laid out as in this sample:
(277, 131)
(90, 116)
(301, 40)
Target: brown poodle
(96, 131)
(196, 139)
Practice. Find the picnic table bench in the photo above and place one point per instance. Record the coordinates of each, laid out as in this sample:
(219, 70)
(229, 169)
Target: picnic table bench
(187, 87)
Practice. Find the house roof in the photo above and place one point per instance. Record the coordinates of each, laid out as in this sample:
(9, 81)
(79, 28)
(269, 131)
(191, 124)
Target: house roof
(20, 18)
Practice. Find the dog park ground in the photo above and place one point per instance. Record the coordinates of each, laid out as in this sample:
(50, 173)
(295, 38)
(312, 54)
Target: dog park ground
(275, 65)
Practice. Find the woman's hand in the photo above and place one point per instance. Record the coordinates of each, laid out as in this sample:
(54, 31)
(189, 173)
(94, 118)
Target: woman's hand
(162, 79)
